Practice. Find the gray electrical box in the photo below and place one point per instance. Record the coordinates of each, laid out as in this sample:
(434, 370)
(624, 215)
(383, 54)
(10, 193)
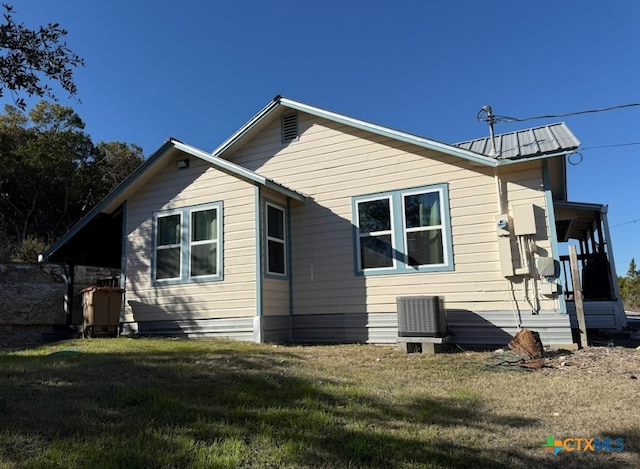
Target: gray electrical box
(546, 267)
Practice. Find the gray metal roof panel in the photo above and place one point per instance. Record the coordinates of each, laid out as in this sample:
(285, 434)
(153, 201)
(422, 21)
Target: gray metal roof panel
(527, 143)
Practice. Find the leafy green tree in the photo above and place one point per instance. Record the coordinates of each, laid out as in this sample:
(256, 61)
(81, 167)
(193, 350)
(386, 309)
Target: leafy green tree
(28, 57)
(52, 173)
(40, 188)
(112, 163)
(630, 287)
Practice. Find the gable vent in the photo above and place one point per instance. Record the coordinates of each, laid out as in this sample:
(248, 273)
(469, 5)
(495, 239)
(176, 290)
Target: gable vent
(289, 128)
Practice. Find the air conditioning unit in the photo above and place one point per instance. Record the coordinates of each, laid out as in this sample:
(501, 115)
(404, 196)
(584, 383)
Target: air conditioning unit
(421, 316)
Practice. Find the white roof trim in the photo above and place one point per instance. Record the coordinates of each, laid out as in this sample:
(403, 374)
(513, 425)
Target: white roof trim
(388, 132)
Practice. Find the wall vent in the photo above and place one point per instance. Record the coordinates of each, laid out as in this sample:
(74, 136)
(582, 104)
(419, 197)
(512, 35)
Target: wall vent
(421, 316)
(289, 128)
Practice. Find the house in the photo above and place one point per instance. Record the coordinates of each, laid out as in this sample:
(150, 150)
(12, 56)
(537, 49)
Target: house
(307, 226)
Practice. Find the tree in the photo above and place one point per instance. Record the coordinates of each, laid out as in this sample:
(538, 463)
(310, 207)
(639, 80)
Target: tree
(52, 173)
(40, 189)
(113, 162)
(27, 57)
(632, 272)
(630, 288)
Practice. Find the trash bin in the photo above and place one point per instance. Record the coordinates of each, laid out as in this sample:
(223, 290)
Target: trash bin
(101, 311)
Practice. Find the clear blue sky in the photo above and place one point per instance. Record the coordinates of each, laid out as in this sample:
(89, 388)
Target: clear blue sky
(198, 70)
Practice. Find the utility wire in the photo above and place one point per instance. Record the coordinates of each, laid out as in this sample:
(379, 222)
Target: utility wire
(554, 116)
(626, 223)
(612, 145)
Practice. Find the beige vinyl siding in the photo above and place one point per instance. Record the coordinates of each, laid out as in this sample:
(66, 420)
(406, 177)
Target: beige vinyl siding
(173, 188)
(275, 290)
(332, 163)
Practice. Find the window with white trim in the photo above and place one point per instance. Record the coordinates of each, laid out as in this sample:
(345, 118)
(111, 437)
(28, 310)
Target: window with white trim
(403, 231)
(187, 244)
(276, 240)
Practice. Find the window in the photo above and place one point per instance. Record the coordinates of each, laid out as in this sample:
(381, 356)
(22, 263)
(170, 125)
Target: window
(187, 244)
(276, 240)
(375, 233)
(168, 247)
(403, 231)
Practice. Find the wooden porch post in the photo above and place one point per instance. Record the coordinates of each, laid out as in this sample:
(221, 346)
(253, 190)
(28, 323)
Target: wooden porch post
(69, 277)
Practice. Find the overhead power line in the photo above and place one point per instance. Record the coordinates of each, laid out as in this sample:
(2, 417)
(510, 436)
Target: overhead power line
(612, 145)
(626, 223)
(497, 118)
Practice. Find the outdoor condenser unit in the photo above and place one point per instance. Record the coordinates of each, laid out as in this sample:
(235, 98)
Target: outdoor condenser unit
(421, 316)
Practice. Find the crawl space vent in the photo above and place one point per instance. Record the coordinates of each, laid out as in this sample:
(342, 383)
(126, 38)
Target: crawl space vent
(289, 128)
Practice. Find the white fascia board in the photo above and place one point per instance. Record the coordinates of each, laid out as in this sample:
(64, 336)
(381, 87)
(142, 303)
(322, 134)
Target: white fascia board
(388, 132)
(220, 163)
(238, 170)
(264, 112)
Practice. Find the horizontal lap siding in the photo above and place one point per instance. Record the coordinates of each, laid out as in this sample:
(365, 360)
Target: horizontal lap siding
(235, 295)
(332, 163)
(275, 291)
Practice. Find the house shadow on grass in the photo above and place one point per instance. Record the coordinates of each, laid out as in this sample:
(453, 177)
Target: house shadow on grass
(222, 406)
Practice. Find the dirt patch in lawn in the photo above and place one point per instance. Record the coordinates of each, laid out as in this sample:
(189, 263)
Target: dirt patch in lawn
(599, 360)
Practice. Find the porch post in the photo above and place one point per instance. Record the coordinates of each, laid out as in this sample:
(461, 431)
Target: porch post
(69, 277)
(618, 308)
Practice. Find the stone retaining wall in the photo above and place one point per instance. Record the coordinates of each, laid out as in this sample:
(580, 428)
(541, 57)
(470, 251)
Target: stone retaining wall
(32, 298)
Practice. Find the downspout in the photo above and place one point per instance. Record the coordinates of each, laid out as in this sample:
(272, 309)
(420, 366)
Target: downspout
(290, 269)
(257, 320)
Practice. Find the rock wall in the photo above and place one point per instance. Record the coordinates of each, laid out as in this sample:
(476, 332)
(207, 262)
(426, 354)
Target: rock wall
(32, 297)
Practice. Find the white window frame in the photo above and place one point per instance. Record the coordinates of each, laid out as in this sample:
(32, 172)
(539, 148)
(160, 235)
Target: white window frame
(398, 231)
(167, 246)
(282, 241)
(373, 234)
(439, 227)
(186, 244)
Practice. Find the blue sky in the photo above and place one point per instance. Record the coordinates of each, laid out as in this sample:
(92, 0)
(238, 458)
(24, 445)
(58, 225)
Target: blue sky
(198, 70)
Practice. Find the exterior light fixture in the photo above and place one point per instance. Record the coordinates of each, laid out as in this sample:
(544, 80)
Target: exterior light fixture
(182, 164)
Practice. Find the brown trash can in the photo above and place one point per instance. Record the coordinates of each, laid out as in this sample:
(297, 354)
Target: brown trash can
(101, 311)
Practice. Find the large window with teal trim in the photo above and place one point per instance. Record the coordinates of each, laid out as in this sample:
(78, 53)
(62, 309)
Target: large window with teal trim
(187, 244)
(403, 231)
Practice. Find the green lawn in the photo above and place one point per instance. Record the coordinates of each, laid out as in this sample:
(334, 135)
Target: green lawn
(119, 403)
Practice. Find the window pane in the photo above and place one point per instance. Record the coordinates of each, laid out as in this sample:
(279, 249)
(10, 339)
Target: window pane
(422, 209)
(168, 263)
(276, 257)
(376, 251)
(203, 259)
(169, 230)
(204, 225)
(275, 222)
(374, 216)
(425, 247)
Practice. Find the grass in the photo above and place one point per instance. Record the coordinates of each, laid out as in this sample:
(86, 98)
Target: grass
(130, 403)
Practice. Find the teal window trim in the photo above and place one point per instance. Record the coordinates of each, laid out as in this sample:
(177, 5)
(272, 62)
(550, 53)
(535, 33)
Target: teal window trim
(185, 244)
(398, 231)
(284, 240)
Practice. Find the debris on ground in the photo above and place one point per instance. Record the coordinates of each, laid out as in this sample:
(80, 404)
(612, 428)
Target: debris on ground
(528, 346)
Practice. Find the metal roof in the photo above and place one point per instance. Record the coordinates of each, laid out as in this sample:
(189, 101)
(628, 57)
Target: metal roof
(538, 141)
